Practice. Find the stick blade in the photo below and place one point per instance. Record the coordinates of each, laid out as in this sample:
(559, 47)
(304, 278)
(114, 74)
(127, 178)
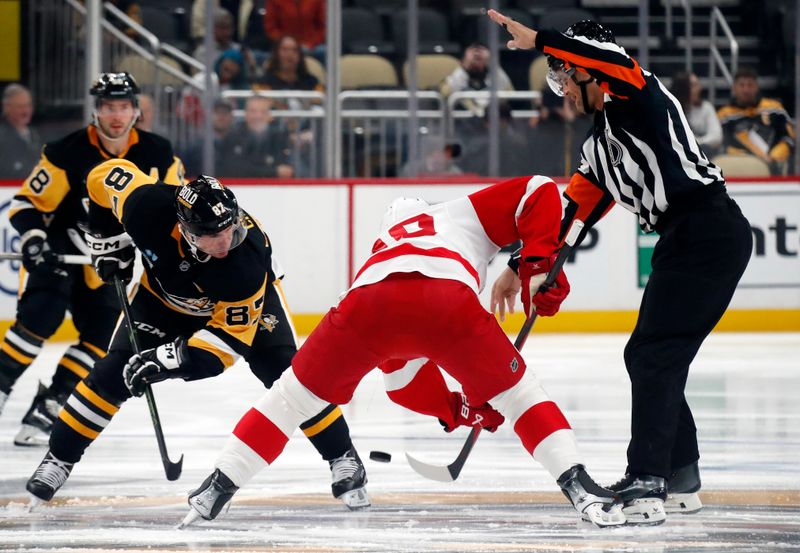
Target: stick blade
(431, 472)
(173, 470)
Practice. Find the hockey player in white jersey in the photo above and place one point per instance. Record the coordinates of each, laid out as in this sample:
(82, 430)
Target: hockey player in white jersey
(416, 298)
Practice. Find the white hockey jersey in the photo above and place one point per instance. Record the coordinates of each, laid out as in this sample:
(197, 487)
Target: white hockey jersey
(456, 240)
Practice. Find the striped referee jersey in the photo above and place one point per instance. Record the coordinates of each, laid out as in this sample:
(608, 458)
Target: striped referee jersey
(640, 153)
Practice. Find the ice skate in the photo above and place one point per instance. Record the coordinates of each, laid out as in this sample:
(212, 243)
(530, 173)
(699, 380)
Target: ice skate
(209, 499)
(597, 505)
(48, 478)
(3, 399)
(38, 421)
(682, 488)
(643, 498)
(349, 480)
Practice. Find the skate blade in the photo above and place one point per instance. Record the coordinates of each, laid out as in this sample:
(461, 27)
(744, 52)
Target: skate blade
(34, 503)
(191, 518)
(683, 504)
(355, 499)
(645, 512)
(31, 436)
(597, 515)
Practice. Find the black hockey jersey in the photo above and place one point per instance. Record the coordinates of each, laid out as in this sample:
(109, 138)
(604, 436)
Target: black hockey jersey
(53, 198)
(229, 291)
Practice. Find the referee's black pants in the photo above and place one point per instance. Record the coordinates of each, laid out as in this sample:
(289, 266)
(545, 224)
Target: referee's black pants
(697, 263)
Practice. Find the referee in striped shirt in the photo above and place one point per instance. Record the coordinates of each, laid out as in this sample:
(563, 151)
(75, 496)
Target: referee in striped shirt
(642, 155)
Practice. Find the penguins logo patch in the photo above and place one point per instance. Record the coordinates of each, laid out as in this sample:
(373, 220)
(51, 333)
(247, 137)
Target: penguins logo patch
(269, 321)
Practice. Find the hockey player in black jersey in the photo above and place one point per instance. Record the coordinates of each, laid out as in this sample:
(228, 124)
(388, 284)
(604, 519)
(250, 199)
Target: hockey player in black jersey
(209, 295)
(642, 154)
(47, 212)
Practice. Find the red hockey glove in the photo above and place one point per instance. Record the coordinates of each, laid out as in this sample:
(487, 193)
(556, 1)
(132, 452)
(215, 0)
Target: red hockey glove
(548, 301)
(463, 414)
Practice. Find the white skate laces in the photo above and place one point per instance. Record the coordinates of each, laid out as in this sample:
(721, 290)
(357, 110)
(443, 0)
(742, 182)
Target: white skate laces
(595, 504)
(348, 480)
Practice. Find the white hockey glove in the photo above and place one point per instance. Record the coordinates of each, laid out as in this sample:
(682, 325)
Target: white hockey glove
(112, 256)
(154, 365)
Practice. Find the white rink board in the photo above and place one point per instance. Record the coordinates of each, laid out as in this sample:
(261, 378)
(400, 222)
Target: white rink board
(309, 228)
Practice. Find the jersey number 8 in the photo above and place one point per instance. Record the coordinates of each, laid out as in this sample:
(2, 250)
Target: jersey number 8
(118, 178)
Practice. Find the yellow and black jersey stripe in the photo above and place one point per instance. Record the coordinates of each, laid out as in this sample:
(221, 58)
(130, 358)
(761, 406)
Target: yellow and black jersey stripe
(56, 186)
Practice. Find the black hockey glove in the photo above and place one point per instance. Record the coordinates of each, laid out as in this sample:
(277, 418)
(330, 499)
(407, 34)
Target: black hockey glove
(112, 256)
(155, 365)
(37, 256)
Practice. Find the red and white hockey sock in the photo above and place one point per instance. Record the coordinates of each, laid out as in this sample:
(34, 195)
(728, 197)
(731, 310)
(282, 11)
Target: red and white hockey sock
(540, 424)
(263, 432)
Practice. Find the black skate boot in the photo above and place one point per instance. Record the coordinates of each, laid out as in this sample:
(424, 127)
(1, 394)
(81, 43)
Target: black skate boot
(683, 485)
(349, 479)
(209, 499)
(597, 505)
(643, 497)
(48, 478)
(38, 421)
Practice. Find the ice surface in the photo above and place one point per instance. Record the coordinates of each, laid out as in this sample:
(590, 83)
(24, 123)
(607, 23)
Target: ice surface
(743, 388)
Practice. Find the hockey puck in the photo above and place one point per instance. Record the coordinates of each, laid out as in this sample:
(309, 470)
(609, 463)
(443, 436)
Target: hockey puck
(380, 456)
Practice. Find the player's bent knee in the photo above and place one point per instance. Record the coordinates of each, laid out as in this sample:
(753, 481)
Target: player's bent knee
(297, 397)
(106, 377)
(513, 402)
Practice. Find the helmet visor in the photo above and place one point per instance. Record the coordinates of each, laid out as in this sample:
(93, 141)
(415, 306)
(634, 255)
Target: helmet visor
(212, 243)
(557, 79)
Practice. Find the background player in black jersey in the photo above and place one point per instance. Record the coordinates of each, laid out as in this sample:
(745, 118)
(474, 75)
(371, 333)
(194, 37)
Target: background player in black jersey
(209, 295)
(47, 212)
(642, 155)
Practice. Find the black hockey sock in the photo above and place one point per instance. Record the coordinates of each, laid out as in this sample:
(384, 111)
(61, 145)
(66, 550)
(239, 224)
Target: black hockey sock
(328, 432)
(73, 367)
(17, 352)
(84, 416)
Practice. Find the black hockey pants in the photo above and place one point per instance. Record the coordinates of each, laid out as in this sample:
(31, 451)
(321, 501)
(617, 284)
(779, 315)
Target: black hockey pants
(697, 263)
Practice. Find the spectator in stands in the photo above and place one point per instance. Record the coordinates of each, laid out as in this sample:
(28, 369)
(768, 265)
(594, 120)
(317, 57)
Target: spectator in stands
(699, 112)
(755, 125)
(231, 71)
(286, 68)
(303, 19)
(146, 113)
(132, 9)
(239, 9)
(473, 74)
(223, 123)
(260, 147)
(512, 144)
(438, 160)
(556, 135)
(224, 32)
(20, 144)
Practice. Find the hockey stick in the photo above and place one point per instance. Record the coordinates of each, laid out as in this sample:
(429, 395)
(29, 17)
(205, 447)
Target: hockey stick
(449, 473)
(173, 470)
(68, 259)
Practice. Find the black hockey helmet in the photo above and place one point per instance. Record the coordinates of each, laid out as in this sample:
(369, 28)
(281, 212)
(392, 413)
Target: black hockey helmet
(586, 28)
(558, 72)
(115, 86)
(205, 207)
